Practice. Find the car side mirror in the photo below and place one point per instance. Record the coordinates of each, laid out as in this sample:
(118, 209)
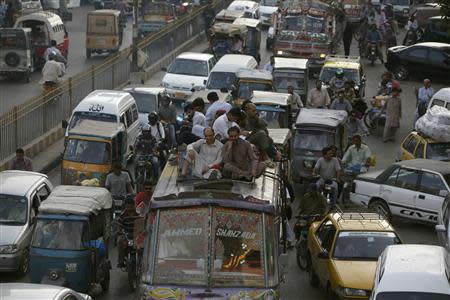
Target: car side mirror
(64, 124)
(440, 228)
(443, 193)
(323, 254)
(164, 69)
(204, 82)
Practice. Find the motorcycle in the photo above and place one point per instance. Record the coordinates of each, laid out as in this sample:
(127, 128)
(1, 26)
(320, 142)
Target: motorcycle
(372, 53)
(301, 228)
(349, 175)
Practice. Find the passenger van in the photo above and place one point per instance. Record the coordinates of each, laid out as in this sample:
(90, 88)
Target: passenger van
(108, 106)
(441, 98)
(250, 8)
(45, 27)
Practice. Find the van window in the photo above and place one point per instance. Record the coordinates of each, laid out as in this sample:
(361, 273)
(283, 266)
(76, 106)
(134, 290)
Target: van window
(134, 112)
(43, 192)
(431, 184)
(410, 144)
(129, 117)
(122, 119)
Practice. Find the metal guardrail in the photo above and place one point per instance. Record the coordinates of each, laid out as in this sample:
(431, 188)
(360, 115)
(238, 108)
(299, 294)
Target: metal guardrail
(32, 119)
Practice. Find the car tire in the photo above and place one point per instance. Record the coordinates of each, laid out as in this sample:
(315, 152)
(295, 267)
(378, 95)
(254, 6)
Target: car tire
(12, 59)
(313, 279)
(24, 263)
(401, 73)
(380, 206)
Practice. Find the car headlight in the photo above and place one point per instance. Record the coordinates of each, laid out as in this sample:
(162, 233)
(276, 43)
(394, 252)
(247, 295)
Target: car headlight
(280, 52)
(356, 87)
(344, 292)
(322, 55)
(165, 84)
(309, 164)
(8, 249)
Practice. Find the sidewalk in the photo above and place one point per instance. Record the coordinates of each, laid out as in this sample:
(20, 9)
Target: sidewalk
(47, 160)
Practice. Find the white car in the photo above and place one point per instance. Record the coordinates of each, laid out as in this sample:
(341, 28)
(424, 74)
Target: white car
(21, 291)
(147, 100)
(189, 71)
(250, 8)
(414, 189)
(412, 272)
(266, 10)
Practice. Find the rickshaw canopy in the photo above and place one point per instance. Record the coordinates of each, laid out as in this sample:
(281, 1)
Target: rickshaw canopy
(86, 127)
(77, 200)
(229, 29)
(229, 15)
(253, 23)
(270, 98)
(290, 63)
(254, 74)
(320, 117)
(105, 12)
(47, 17)
(280, 136)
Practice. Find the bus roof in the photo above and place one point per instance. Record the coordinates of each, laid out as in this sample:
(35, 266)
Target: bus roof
(261, 194)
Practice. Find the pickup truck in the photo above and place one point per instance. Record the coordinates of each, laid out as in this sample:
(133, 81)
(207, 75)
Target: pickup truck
(413, 189)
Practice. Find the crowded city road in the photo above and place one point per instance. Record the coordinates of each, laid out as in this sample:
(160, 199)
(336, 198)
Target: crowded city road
(15, 92)
(296, 282)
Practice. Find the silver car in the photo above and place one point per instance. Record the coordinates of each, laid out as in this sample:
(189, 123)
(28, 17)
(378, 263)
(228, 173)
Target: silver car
(21, 193)
(442, 228)
(21, 291)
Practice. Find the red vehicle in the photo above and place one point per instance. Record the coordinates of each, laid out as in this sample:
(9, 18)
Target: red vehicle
(45, 27)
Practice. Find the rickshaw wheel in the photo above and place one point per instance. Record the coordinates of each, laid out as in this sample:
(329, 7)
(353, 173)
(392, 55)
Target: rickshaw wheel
(24, 264)
(105, 281)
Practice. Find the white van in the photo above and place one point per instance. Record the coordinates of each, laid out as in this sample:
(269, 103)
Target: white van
(441, 98)
(250, 8)
(412, 272)
(108, 106)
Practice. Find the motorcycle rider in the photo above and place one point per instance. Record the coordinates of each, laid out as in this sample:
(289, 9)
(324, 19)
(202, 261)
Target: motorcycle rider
(118, 182)
(385, 85)
(328, 168)
(157, 131)
(358, 156)
(126, 223)
(52, 72)
(313, 202)
(338, 81)
(168, 115)
(374, 37)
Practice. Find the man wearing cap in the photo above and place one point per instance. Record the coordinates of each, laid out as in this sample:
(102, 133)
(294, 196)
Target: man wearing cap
(215, 105)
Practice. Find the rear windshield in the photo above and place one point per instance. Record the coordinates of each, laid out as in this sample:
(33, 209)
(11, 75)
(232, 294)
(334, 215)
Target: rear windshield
(440, 102)
(284, 79)
(53, 234)
(101, 24)
(12, 40)
(328, 73)
(313, 140)
(145, 102)
(411, 296)
(218, 80)
(438, 151)
(88, 152)
(188, 67)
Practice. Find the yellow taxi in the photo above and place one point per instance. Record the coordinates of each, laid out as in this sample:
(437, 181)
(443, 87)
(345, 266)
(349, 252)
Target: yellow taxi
(352, 71)
(416, 145)
(343, 250)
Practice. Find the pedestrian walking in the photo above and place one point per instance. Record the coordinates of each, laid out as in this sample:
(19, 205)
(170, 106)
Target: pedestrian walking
(424, 96)
(21, 162)
(347, 38)
(393, 108)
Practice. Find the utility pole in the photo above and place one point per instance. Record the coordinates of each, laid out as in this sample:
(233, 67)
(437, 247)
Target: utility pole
(134, 66)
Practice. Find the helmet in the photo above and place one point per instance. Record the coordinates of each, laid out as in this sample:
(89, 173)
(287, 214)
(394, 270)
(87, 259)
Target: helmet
(396, 86)
(153, 116)
(339, 72)
(52, 55)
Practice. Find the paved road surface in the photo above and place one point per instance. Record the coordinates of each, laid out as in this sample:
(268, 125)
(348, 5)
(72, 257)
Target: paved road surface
(297, 287)
(16, 92)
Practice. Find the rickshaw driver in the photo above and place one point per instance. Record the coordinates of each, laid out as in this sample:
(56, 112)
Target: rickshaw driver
(142, 200)
(313, 202)
(126, 222)
(118, 182)
(358, 156)
(328, 168)
(66, 237)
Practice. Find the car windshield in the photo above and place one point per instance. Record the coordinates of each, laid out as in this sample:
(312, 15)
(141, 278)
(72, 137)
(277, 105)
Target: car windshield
(191, 67)
(328, 73)
(12, 40)
(411, 296)
(13, 209)
(438, 151)
(145, 102)
(439, 102)
(274, 116)
(362, 245)
(54, 234)
(236, 257)
(89, 115)
(313, 140)
(246, 89)
(269, 2)
(87, 151)
(218, 80)
(284, 79)
(312, 24)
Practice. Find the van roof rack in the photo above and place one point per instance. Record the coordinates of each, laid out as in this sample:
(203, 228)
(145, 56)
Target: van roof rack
(358, 213)
(337, 57)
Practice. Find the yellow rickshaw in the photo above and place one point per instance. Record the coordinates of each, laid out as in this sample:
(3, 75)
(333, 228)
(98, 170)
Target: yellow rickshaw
(91, 148)
(104, 31)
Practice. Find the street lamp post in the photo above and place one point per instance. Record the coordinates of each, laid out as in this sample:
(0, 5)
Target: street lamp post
(134, 66)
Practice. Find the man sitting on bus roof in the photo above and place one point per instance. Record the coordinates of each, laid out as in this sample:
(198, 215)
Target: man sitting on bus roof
(204, 157)
(239, 159)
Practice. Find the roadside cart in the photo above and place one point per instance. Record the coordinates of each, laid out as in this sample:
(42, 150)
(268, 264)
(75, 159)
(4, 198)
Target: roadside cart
(314, 130)
(213, 239)
(69, 244)
(291, 72)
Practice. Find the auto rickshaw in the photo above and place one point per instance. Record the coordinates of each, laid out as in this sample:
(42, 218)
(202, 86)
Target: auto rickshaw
(91, 148)
(253, 40)
(249, 80)
(104, 31)
(274, 108)
(69, 243)
(291, 72)
(155, 15)
(17, 53)
(228, 16)
(223, 37)
(314, 130)
(214, 239)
